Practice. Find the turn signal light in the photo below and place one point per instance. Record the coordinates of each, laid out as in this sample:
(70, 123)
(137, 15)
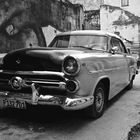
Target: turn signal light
(72, 86)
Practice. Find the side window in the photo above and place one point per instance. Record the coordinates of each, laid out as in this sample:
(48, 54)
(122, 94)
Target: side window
(116, 43)
(123, 47)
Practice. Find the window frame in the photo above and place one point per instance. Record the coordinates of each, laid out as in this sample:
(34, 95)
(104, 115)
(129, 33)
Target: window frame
(122, 49)
(124, 3)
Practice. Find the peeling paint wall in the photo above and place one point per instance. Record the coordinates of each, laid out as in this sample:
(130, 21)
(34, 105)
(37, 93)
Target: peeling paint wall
(113, 3)
(89, 4)
(115, 19)
(133, 6)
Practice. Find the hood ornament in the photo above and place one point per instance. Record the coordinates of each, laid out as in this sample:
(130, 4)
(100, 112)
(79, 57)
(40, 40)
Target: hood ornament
(18, 61)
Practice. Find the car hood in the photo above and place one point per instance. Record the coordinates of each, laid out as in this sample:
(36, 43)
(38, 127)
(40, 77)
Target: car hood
(39, 59)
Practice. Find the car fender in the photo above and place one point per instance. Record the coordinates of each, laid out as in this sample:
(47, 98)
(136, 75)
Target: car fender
(98, 81)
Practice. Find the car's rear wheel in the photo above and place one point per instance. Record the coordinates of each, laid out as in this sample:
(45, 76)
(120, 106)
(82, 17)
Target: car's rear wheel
(97, 108)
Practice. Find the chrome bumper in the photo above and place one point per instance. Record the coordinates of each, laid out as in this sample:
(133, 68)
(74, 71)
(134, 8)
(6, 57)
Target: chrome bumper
(66, 103)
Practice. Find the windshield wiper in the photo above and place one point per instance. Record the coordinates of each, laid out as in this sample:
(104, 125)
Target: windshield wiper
(84, 47)
(90, 47)
(94, 47)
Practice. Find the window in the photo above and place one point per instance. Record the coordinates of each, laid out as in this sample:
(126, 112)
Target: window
(118, 45)
(124, 3)
(123, 47)
(115, 44)
(87, 41)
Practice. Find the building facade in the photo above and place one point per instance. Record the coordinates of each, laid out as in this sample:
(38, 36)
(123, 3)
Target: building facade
(129, 5)
(117, 20)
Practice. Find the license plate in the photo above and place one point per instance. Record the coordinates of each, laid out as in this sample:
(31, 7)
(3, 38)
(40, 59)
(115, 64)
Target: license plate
(7, 103)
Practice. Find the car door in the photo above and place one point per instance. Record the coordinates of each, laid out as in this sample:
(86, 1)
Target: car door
(130, 61)
(120, 72)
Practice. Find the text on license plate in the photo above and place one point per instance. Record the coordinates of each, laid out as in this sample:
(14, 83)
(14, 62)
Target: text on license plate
(14, 104)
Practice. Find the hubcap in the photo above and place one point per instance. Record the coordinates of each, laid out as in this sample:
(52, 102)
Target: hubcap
(99, 100)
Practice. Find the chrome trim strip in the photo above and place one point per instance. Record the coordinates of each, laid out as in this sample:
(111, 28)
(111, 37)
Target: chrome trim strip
(105, 70)
(34, 73)
(45, 82)
(60, 85)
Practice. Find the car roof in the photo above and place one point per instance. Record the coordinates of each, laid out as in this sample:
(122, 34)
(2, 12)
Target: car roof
(88, 32)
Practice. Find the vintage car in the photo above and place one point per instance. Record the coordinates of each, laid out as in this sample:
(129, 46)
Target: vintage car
(79, 70)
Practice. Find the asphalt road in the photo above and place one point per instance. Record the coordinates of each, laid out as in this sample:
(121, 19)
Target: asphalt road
(121, 115)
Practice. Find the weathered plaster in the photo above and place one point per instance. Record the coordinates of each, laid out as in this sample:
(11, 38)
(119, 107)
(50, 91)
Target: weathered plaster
(21, 21)
(115, 19)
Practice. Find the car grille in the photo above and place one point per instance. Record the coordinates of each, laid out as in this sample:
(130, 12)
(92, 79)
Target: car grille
(48, 84)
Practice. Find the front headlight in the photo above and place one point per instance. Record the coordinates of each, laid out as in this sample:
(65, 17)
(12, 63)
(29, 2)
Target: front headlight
(70, 66)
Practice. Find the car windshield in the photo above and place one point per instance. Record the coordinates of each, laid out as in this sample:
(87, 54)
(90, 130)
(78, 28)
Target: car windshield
(84, 41)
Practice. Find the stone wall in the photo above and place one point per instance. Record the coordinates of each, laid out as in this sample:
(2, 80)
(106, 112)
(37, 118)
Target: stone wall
(21, 21)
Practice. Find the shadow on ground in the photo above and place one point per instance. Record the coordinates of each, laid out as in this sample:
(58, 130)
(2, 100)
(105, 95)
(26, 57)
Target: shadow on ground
(116, 98)
(43, 119)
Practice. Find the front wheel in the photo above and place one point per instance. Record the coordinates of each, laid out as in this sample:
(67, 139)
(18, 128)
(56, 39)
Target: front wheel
(97, 108)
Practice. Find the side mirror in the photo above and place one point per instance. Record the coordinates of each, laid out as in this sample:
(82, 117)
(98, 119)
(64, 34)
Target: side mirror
(114, 49)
